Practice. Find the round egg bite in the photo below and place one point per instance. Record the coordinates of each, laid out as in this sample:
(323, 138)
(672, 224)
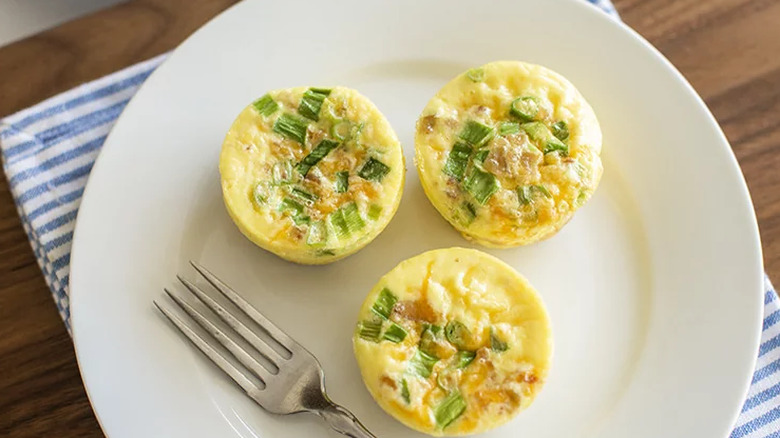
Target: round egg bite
(311, 174)
(507, 152)
(453, 342)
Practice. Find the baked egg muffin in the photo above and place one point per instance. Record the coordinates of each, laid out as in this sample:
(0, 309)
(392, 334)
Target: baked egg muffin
(311, 174)
(453, 342)
(507, 152)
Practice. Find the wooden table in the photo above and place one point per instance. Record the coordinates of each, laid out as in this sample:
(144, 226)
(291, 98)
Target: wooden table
(726, 48)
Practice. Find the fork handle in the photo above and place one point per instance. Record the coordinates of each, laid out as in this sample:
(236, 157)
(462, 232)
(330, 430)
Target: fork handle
(343, 422)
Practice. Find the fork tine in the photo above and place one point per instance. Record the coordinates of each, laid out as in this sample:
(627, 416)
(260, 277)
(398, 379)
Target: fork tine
(233, 322)
(247, 385)
(275, 332)
(242, 356)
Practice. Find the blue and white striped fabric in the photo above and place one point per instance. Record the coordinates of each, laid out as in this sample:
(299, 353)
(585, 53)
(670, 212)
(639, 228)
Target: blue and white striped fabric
(48, 151)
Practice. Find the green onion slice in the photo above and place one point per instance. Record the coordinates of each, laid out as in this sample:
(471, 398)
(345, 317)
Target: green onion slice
(370, 330)
(405, 391)
(476, 134)
(383, 305)
(342, 181)
(301, 220)
(476, 74)
(318, 234)
(481, 156)
(292, 206)
(508, 128)
(457, 160)
(316, 155)
(526, 194)
(525, 108)
(259, 194)
(560, 129)
(496, 343)
(355, 223)
(581, 198)
(265, 105)
(553, 145)
(304, 196)
(374, 211)
(395, 333)
(373, 170)
(339, 223)
(450, 409)
(341, 130)
(457, 334)
(481, 185)
(422, 364)
(325, 252)
(463, 358)
(311, 103)
(292, 127)
(469, 212)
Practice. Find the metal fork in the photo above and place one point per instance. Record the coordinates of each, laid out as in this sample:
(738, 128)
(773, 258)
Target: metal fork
(296, 385)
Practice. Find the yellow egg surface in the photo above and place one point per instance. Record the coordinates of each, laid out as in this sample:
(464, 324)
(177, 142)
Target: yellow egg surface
(453, 342)
(311, 174)
(507, 152)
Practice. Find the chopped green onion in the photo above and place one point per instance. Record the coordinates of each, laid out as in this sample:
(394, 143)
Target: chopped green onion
(525, 194)
(301, 220)
(457, 334)
(463, 358)
(341, 130)
(553, 144)
(496, 343)
(352, 217)
(291, 205)
(457, 160)
(292, 127)
(317, 154)
(508, 128)
(342, 181)
(282, 173)
(476, 74)
(346, 220)
(560, 129)
(428, 337)
(581, 198)
(265, 105)
(481, 156)
(373, 170)
(318, 234)
(325, 252)
(304, 196)
(311, 103)
(450, 409)
(422, 364)
(538, 132)
(370, 330)
(525, 108)
(339, 223)
(481, 185)
(405, 391)
(374, 211)
(395, 333)
(383, 305)
(469, 212)
(476, 134)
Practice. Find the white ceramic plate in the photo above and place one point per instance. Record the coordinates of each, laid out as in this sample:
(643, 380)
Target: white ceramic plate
(654, 288)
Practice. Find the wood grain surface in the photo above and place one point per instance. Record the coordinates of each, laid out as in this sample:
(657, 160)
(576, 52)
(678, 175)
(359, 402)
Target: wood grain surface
(726, 48)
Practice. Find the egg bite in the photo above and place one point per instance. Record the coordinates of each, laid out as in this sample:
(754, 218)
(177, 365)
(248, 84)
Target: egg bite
(311, 174)
(507, 152)
(453, 342)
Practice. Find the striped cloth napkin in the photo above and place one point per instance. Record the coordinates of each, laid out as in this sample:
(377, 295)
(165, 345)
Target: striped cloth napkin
(48, 151)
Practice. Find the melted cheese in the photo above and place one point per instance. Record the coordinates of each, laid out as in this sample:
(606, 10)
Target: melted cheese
(488, 298)
(299, 217)
(555, 183)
